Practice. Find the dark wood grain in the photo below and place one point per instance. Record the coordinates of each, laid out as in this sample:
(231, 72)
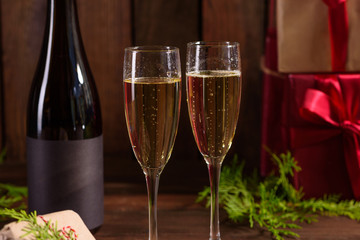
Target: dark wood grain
(22, 33)
(179, 217)
(107, 27)
(2, 134)
(175, 23)
(106, 31)
(241, 21)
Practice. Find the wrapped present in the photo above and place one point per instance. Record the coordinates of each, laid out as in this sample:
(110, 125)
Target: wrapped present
(272, 135)
(318, 120)
(318, 36)
(315, 116)
(66, 222)
(322, 116)
(273, 88)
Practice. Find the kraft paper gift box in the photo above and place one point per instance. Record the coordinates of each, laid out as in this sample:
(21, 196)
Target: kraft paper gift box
(318, 35)
(64, 220)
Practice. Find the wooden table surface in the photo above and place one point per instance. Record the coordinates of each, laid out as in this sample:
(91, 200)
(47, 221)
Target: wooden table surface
(179, 217)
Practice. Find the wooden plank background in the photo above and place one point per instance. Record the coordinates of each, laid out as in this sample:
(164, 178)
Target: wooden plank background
(107, 27)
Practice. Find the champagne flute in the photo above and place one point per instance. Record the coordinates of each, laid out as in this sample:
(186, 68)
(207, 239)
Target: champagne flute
(213, 87)
(152, 92)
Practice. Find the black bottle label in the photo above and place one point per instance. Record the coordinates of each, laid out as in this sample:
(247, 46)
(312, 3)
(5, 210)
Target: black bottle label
(67, 175)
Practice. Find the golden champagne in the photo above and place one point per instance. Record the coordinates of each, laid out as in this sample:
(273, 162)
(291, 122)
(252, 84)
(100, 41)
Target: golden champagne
(213, 104)
(152, 108)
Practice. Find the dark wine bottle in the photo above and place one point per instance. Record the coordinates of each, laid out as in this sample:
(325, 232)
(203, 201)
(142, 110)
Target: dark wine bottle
(64, 126)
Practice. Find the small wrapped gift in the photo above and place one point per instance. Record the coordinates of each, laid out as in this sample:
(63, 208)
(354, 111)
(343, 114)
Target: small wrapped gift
(322, 118)
(65, 221)
(318, 35)
(319, 122)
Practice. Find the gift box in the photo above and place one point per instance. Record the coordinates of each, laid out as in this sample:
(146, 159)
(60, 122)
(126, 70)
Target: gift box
(323, 122)
(329, 28)
(316, 117)
(272, 131)
(319, 122)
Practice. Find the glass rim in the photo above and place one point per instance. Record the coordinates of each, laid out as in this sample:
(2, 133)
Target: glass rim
(152, 48)
(213, 44)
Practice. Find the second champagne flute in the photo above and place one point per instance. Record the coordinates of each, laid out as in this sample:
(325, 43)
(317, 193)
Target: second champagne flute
(152, 90)
(213, 87)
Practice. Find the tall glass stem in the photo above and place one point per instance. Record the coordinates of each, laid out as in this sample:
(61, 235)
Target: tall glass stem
(152, 176)
(214, 168)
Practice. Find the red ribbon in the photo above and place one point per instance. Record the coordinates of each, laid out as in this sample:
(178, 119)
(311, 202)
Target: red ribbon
(334, 108)
(339, 33)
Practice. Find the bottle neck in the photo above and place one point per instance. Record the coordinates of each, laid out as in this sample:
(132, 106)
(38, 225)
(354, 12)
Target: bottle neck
(62, 24)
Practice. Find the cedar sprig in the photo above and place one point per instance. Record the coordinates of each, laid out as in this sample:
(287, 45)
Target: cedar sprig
(43, 230)
(11, 196)
(273, 203)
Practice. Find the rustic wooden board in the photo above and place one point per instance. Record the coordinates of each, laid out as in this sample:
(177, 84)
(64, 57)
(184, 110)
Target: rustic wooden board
(108, 27)
(22, 33)
(106, 31)
(175, 23)
(2, 134)
(179, 217)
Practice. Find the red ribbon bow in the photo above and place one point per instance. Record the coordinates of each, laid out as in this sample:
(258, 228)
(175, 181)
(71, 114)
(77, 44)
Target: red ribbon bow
(335, 107)
(339, 33)
(334, 3)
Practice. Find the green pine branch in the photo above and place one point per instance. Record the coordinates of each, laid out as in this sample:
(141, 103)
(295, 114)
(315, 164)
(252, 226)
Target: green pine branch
(11, 196)
(273, 203)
